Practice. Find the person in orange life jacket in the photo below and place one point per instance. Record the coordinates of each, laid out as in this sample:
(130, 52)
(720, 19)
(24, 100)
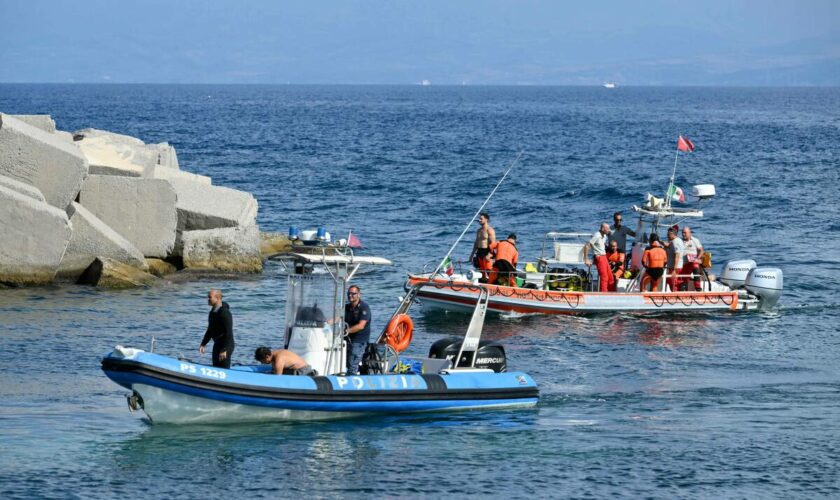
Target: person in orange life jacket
(675, 249)
(504, 267)
(597, 245)
(615, 257)
(219, 330)
(691, 260)
(484, 237)
(654, 260)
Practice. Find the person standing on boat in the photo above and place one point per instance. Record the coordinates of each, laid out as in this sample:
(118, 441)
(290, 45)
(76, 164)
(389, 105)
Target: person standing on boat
(654, 259)
(619, 232)
(616, 259)
(504, 267)
(676, 251)
(357, 318)
(693, 257)
(597, 244)
(485, 236)
(219, 330)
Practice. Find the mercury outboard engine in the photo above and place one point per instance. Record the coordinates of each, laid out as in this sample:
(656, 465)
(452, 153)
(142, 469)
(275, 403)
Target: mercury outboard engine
(734, 273)
(490, 354)
(766, 283)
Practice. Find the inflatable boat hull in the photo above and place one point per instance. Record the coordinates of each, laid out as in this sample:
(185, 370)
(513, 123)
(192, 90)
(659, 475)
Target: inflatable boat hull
(175, 391)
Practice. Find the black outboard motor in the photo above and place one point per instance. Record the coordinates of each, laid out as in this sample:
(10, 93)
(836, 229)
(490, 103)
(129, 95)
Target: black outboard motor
(490, 354)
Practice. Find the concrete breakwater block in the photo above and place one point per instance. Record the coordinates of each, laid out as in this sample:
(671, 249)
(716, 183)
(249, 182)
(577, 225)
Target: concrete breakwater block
(161, 172)
(34, 238)
(141, 210)
(22, 188)
(116, 154)
(108, 273)
(225, 249)
(92, 238)
(38, 158)
(201, 206)
(43, 122)
(160, 267)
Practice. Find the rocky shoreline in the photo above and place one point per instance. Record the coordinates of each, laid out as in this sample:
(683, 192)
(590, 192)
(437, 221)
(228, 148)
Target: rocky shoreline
(96, 207)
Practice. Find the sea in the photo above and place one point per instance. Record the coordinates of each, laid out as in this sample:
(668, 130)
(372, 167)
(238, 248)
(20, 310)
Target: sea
(668, 406)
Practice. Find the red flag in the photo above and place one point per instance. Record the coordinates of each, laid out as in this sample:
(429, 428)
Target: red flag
(353, 242)
(685, 144)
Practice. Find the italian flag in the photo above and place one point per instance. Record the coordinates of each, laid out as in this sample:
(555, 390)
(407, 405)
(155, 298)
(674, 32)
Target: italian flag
(446, 265)
(676, 194)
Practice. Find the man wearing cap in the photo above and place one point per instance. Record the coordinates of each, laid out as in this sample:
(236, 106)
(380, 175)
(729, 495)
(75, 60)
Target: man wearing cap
(597, 244)
(504, 267)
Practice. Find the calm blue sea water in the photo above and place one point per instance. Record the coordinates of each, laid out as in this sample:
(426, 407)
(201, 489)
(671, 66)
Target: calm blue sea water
(731, 406)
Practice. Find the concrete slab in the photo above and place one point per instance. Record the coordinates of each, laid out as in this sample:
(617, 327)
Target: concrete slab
(167, 157)
(141, 210)
(92, 238)
(108, 273)
(161, 172)
(35, 236)
(226, 249)
(43, 122)
(22, 188)
(108, 156)
(202, 206)
(40, 159)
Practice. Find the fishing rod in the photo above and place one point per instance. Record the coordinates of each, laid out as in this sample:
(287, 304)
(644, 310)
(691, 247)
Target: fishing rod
(512, 164)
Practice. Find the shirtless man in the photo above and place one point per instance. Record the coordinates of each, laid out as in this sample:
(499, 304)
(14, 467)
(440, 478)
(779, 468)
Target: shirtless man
(283, 362)
(484, 237)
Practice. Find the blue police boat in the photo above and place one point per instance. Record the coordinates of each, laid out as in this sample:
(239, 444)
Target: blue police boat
(458, 374)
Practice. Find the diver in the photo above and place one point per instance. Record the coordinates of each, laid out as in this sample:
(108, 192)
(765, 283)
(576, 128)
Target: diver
(219, 330)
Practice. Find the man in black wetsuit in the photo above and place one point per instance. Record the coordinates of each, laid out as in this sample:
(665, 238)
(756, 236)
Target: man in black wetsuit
(219, 330)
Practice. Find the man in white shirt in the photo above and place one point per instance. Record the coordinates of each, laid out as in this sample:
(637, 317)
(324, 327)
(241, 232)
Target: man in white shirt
(693, 257)
(676, 252)
(599, 252)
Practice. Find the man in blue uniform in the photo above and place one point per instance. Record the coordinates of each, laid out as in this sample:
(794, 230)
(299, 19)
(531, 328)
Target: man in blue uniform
(357, 318)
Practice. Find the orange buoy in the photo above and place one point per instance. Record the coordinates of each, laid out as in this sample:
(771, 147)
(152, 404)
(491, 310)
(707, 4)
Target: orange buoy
(398, 333)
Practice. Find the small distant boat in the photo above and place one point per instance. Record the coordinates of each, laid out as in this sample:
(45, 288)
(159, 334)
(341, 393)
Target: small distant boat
(610, 85)
(425, 83)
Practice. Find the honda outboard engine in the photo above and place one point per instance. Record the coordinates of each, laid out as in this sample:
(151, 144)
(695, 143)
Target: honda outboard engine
(490, 354)
(734, 273)
(766, 283)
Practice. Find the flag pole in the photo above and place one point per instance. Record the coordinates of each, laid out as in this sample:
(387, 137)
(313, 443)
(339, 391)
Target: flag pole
(512, 164)
(673, 174)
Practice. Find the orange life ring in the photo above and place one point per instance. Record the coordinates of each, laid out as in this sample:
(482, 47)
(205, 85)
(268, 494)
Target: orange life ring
(398, 332)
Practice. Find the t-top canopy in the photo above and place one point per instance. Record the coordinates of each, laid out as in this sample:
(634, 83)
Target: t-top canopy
(331, 259)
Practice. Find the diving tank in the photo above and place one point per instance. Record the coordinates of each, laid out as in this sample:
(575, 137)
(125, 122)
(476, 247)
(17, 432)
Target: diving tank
(766, 283)
(735, 272)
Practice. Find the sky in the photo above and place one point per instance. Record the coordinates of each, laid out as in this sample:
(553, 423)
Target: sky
(649, 42)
